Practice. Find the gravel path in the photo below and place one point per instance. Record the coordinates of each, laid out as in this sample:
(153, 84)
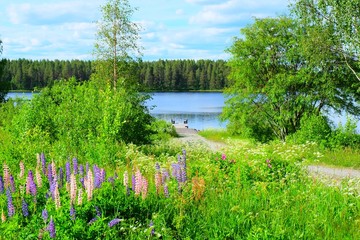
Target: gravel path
(329, 173)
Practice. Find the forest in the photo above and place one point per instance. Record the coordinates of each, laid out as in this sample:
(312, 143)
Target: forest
(161, 75)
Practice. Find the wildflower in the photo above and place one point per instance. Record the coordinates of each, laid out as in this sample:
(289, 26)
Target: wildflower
(12, 183)
(30, 184)
(158, 182)
(75, 165)
(133, 182)
(151, 226)
(157, 166)
(3, 217)
(89, 184)
(223, 156)
(10, 205)
(25, 208)
(22, 169)
(43, 163)
(126, 179)
(61, 177)
(166, 190)
(6, 175)
(81, 180)
(53, 170)
(114, 222)
(98, 212)
(51, 229)
(68, 171)
(138, 182)
(72, 187)
(93, 220)
(72, 212)
(165, 175)
(80, 196)
(144, 187)
(38, 177)
(49, 173)
(1, 185)
(56, 195)
(45, 215)
(97, 177)
(81, 170)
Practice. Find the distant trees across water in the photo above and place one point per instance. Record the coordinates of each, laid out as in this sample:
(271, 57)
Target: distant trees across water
(161, 75)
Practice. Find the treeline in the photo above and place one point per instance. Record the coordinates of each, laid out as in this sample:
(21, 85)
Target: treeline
(161, 75)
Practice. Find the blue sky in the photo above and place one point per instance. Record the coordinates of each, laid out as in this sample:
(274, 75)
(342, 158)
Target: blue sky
(172, 29)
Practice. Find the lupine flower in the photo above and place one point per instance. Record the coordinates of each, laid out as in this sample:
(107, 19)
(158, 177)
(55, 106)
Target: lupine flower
(3, 217)
(138, 182)
(97, 182)
(102, 175)
(81, 180)
(61, 177)
(12, 183)
(72, 212)
(165, 175)
(133, 182)
(98, 212)
(114, 222)
(158, 182)
(75, 165)
(53, 170)
(73, 187)
(1, 185)
(89, 184)
(10, 205)
(49, 173)
(81, 170)
(51, 229)
(25, 208)
(43, 163)
(151, 225)
(38, 177)
(57, 196)
(93, 220)
(166, 190)
(45, 215)
(6, 175)
(126, 179)
(22, 169)
(176, 171)
(30, 184)
(268, 161)
(144, 187)
(80, 196)
(68, 171)
(157, 166)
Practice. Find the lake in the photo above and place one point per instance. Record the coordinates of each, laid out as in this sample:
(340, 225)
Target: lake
(201, 109)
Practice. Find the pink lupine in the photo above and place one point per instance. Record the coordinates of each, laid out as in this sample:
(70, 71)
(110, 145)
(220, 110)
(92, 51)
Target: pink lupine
(158, 182)
(72, 187)
(56, 195)
(53, 170)
(144, 187)
(80, 196)
(38, 177)
(6, 175)
(22, 169)
(89, 184)
(3, 217)
(138, 182)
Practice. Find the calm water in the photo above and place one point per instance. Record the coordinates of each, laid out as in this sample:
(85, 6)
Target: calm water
(201, 109)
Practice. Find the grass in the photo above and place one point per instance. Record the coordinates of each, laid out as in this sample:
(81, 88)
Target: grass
(217, 135)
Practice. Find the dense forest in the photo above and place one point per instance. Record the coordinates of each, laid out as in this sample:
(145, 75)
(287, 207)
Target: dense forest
(161, 75)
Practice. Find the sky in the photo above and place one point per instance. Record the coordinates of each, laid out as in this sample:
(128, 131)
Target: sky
(171, 29)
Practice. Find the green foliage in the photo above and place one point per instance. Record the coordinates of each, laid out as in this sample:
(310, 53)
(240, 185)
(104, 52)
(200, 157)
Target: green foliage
(278, 77)
(78, 119)
(4, 85)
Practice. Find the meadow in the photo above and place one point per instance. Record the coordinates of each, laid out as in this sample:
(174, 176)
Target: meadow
(249, 191)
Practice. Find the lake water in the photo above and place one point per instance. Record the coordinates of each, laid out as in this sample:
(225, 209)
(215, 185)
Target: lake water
(201, 109)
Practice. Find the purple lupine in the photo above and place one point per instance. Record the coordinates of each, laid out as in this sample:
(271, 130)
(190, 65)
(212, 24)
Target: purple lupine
(25, 208)
(165, 175)
(151, 226)
(10, 205)
(111, 180)
(98, 212)
(61, 177)
(102, 175)
(43, 163)
(133, 182)
(166, 190)
(82, 182)
(97, 176)
(45, 215)
(1, 185)
(68, 171)
(176, 171)
(72, 212)
(93, 220)
(114, 222)
(12, 183)
(81, 170)
(30, 184)
(51, 229)
(75, 165)
(49, 173)
(157, 166)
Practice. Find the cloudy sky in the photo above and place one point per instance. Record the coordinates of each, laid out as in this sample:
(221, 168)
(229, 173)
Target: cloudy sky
(172, 29)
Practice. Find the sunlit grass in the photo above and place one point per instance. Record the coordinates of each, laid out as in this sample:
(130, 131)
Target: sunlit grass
(345, 157)
(218, 135)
